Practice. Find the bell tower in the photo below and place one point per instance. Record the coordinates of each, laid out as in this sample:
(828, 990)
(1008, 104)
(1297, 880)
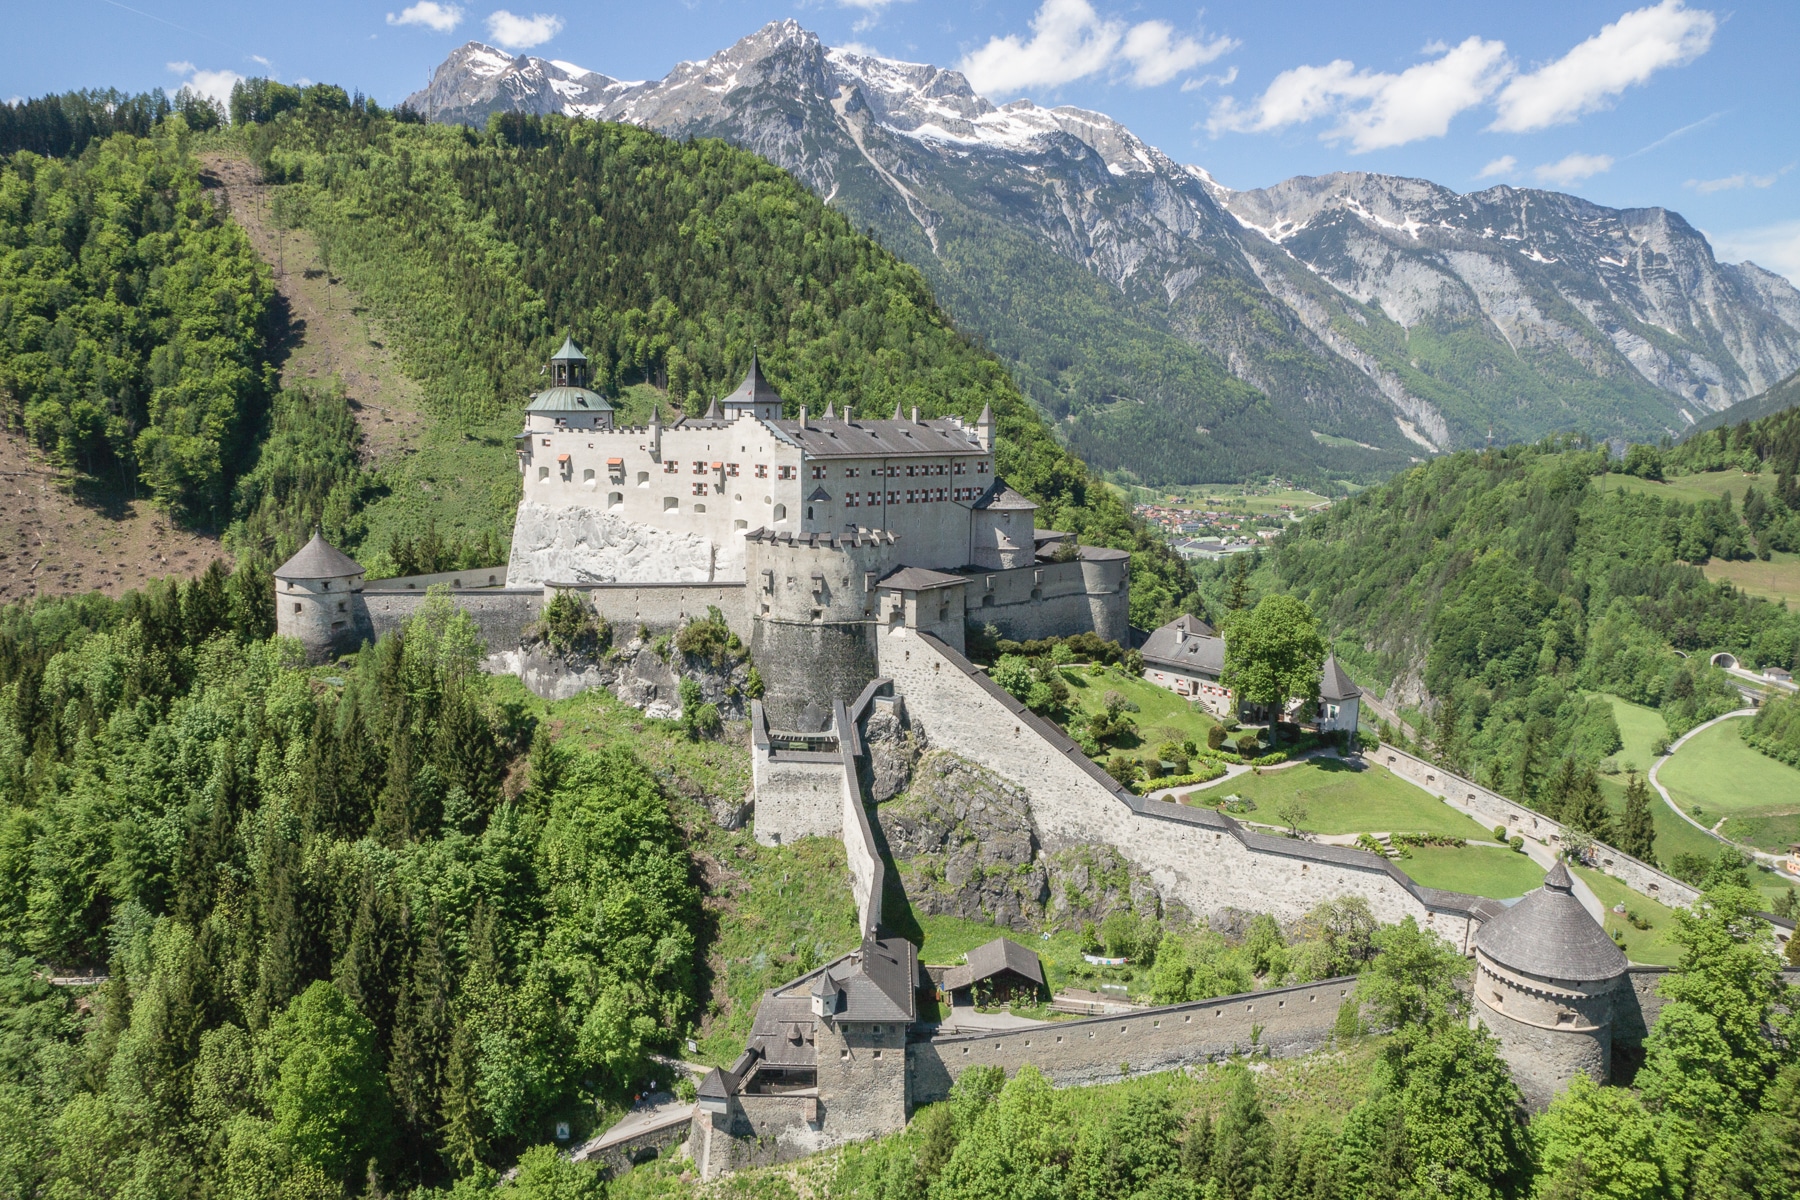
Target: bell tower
(568, 366)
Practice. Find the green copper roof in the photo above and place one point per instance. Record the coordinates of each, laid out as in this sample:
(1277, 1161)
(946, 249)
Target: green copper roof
(568, 352)
(568, 399)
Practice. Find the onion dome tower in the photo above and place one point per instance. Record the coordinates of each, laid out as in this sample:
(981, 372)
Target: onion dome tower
(1547, 979)
(318, 600)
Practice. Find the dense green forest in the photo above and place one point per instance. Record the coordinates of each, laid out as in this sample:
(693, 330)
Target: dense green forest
(671, 262)
(132, 318)
(1505, 587)
(356, 915)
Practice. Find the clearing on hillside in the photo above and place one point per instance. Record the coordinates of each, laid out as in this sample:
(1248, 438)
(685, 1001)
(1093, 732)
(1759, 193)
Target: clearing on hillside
(1723, 777)
(1778, 579)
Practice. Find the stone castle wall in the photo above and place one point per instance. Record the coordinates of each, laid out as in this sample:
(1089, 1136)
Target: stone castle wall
(502, 614)
(1201, 857)
(1491, 808)
(798, 791)
(1053, 600)
(1281, 1022)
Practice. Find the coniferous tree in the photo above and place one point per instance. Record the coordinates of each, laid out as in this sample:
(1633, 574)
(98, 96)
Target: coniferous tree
(1583, 808)
(1636, 832)
(1242, 1143)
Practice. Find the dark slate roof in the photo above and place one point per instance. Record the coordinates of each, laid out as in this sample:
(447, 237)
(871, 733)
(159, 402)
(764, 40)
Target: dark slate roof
(715, 1086)
(755, 389)
(840, 438)
(1186, 644)
(782, 1032)
(885, 984)
(1000, 495)
(919, 579)
(986, 961)
(1334, 684)
(1550, 935)
(568, 399)
(1103, 554)
(819, 493)
(318, 559)
(569, 352)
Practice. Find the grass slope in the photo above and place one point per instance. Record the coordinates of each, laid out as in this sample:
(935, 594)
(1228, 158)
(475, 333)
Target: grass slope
(1161, 716)
(1778, 579)
(1724, 777)
(1477, 870)
(1341, 797)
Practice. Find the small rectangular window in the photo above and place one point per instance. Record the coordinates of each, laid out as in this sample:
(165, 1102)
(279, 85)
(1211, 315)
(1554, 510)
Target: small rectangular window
(762, 470)
(700, 489)
(731, 469)
(670, 467)
(700, 468)
(818, 471)
(849, 472)
(849, 499)
(785, 472)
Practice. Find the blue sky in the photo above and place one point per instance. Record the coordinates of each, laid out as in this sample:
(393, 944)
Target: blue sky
(1627, 102)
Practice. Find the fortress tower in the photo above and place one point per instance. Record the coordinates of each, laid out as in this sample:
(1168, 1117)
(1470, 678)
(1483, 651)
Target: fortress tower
(318, 600)
(1547, 982)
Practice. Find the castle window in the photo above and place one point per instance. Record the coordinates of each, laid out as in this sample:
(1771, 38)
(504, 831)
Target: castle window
(849, 472)
(850, 500)
(670, 467)
(543, 474)
(981, 468)
(671, 503)
(809, 512)
(740, 523)
(731, 469)
(762, 470)
(699, 489)
(615, 499)
(780, 513)
(296, 606)
(874, 499)
(785, 472)
(699, 508)
(699, 468)
(818, 471)
(959, 468)
(342, 606)
(893, 498)
(587, 476)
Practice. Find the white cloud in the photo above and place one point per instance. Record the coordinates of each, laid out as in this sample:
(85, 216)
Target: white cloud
(861, 48)
(1574, 168)
(1375, 109)
(521, 33)
(1225, 80)
(441, 18)
(257, 58)
(1742, 179)
(214, 85)
(1627, 52)
(1776, 247)
(1071, 41)
(1506, 164)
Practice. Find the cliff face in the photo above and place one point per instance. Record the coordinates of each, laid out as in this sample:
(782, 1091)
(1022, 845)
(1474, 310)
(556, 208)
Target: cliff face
(1341, 323)
(577, 543)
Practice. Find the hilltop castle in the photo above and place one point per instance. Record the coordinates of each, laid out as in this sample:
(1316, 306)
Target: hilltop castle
(808, 534)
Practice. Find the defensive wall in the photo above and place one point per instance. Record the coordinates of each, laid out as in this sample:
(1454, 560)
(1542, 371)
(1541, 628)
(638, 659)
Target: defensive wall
(1202, 857)
(1491, 808)
(1280, 1023)
(798, 780)
(867, 872)
(1052, 599)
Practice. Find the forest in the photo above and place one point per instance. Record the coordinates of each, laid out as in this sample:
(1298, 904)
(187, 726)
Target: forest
(1499, 589)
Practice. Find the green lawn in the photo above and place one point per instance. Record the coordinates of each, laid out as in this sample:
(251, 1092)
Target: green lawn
(1162, 716)
(1719, 773)
(1673, 835)
(1477, 870)
(1778, 579)
(1339, 798)
(1639, 730)
(1708, 485)
(1654, 946)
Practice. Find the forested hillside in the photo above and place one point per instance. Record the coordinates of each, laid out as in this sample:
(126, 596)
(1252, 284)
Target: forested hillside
(132, 314)
(671, 263)
(1495, 589)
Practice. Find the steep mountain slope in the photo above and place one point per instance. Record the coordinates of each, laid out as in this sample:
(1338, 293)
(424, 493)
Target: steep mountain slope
(1370, 317)
(1778, 399)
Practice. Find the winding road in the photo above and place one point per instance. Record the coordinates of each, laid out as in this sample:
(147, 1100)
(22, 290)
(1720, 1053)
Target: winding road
(1762, 856)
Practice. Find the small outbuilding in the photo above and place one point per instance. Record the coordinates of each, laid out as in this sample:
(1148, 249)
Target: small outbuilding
(1002, 971)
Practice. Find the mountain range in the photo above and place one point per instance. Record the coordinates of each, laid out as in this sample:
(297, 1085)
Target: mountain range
(1176, 330)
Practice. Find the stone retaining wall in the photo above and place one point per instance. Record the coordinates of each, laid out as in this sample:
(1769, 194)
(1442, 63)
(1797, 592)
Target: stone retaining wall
(867, 872)
(1199, 856)
(799, 793)
(1491, 808)
(1281, 1022)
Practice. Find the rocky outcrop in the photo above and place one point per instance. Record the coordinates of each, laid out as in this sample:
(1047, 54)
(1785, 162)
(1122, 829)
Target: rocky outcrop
(580, 543)
(644, 673)
(966, 846)
(894, 749)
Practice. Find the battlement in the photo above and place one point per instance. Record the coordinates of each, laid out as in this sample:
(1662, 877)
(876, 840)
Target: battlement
(823, 541)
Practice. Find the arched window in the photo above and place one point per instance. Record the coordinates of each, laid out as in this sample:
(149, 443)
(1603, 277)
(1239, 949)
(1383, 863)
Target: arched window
(543, 474)
(643, 479)
(671, 503)
(780, 513)
(615, 499)
(587, 476)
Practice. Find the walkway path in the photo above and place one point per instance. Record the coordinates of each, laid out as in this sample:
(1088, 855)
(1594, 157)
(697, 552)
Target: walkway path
(1770, 860)
(1233, 770)
(635, 1124)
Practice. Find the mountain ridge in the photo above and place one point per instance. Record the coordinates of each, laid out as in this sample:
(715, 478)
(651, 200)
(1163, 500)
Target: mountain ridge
(1270, 330)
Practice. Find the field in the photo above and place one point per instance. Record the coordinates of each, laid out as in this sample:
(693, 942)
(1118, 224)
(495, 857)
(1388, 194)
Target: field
(1722, 777)
(1778, 579)
(1639, 730)
(1340, 798)
(1162, 716)
(1708, 485)
(1654, 945)
(1477, 870)
(1256, 500)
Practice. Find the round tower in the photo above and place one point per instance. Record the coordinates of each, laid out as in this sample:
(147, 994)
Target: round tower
(1547, 978)
(318, 600)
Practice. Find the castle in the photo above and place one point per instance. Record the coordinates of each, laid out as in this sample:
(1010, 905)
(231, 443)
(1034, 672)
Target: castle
(851, 554)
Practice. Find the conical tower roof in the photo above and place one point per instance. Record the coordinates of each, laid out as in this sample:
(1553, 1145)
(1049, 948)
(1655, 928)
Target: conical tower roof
(1550, 935)
(570, 352)
(755, 389)
(318, 559)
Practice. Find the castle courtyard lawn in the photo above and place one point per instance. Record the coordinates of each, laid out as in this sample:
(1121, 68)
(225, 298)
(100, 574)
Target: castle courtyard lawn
(1477, 870)
(1726, 778)
(1346, 797)
(1162, 716)
(1654, 946)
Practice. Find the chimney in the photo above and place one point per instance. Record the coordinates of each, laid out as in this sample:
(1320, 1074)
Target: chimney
(803, 416)
(915, 414)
